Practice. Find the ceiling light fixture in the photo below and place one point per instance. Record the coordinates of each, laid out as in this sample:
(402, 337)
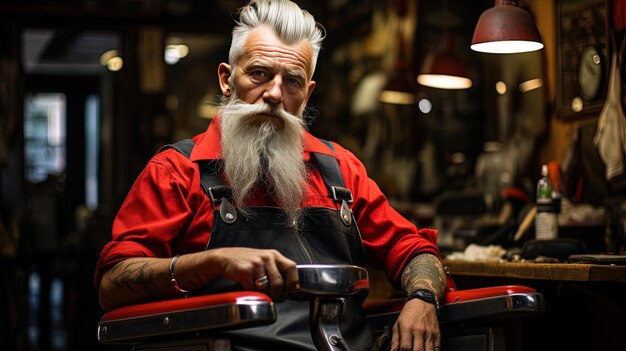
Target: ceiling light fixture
(400, 87)
(443, 69)
(506, 28)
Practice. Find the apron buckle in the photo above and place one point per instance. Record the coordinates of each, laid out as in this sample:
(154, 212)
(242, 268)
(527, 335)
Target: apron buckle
(341, 193)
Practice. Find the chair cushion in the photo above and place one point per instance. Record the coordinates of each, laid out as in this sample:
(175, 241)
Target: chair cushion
(182, 304)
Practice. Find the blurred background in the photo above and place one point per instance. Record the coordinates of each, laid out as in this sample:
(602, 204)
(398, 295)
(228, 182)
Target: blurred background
(90, 89)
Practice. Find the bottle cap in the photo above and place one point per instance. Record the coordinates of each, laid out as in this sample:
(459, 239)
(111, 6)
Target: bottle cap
(554, 172)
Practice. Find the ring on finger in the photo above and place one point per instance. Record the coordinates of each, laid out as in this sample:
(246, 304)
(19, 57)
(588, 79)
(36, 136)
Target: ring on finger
(437, 348)
(261, 282)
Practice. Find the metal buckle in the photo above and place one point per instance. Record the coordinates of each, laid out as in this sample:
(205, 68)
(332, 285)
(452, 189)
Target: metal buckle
(216, 193)
(341, 193)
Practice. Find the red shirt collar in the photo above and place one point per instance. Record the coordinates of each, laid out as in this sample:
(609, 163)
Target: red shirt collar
(209, 144)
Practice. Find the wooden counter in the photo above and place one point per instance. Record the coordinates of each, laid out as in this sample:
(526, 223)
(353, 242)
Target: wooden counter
(585, 305)
(537, 271)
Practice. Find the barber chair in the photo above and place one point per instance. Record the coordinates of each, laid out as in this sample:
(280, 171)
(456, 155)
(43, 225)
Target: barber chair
(195, 323)
(470, 319)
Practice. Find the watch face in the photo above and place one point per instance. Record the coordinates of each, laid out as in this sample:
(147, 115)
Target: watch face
(590, 69)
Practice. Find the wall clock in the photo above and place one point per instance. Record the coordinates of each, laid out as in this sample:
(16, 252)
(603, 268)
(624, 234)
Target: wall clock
(590, 73)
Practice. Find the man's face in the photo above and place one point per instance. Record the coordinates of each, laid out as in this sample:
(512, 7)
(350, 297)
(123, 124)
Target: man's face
(275, 73)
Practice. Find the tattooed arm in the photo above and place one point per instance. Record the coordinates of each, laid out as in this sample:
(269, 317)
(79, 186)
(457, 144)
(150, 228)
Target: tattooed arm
(134, 280)
(417, 327)
(143, 279)
(424, 271)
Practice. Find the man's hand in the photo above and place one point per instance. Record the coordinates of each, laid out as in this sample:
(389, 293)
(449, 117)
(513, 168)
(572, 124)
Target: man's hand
(245, 266)
(416, 328)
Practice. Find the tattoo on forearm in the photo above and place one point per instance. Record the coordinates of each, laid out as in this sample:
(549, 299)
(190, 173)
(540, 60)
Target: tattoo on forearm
(134, 276)
(424, 271)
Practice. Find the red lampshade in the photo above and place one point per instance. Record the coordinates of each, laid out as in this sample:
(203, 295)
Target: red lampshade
(399, 89)
(506, 28)
(443, 69)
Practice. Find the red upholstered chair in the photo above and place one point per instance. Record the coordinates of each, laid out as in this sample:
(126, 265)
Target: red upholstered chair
(191, 323)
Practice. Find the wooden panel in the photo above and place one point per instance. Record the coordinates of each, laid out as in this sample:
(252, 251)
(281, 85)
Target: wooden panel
(539, 271)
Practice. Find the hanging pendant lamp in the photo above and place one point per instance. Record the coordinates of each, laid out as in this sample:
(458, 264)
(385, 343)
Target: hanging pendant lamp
(400, 88)
(443, 69)
(506, 28)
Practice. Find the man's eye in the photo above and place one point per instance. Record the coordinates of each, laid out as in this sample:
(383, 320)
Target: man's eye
(293, 81)
(258, 74)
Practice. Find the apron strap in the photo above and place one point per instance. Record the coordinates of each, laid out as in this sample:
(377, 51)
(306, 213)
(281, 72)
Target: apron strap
(183, 147)
(329, 168)
(211, 183)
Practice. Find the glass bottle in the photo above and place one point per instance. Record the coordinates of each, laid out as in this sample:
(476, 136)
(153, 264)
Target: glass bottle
(546, 224)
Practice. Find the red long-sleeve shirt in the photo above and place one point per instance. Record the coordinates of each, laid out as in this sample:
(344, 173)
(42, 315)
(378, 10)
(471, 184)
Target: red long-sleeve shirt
(166, 211)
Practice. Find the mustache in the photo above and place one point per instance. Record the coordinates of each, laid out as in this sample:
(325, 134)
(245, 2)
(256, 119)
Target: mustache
(247, 112)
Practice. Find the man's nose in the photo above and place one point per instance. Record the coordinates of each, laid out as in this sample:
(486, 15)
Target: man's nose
(274, 92)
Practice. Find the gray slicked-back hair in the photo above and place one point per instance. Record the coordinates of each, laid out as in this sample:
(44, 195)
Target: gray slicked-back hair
(290, 23)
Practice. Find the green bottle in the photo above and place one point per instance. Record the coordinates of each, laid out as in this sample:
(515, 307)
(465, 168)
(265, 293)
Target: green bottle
(546, 225)
(544, 187)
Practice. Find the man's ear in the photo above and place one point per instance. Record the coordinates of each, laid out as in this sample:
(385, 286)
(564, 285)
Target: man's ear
(311, 88)
(223, 73)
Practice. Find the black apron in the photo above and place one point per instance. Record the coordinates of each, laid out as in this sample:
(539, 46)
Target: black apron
(323, 239)
(326, 236)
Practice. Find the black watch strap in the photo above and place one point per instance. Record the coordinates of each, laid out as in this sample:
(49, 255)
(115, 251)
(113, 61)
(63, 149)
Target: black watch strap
(424, 295)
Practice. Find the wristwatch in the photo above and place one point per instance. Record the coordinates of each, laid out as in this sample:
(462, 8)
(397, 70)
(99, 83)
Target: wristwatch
(424, 295)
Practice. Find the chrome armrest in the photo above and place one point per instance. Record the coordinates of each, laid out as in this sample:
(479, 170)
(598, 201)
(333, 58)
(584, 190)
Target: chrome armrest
(137, 323)
(513, 305)
(476, 305)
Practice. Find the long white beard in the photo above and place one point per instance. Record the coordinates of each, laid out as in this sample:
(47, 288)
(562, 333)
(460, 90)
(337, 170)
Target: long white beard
(266, 153)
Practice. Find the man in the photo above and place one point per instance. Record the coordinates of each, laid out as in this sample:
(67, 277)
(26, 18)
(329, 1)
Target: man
(170, 237)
